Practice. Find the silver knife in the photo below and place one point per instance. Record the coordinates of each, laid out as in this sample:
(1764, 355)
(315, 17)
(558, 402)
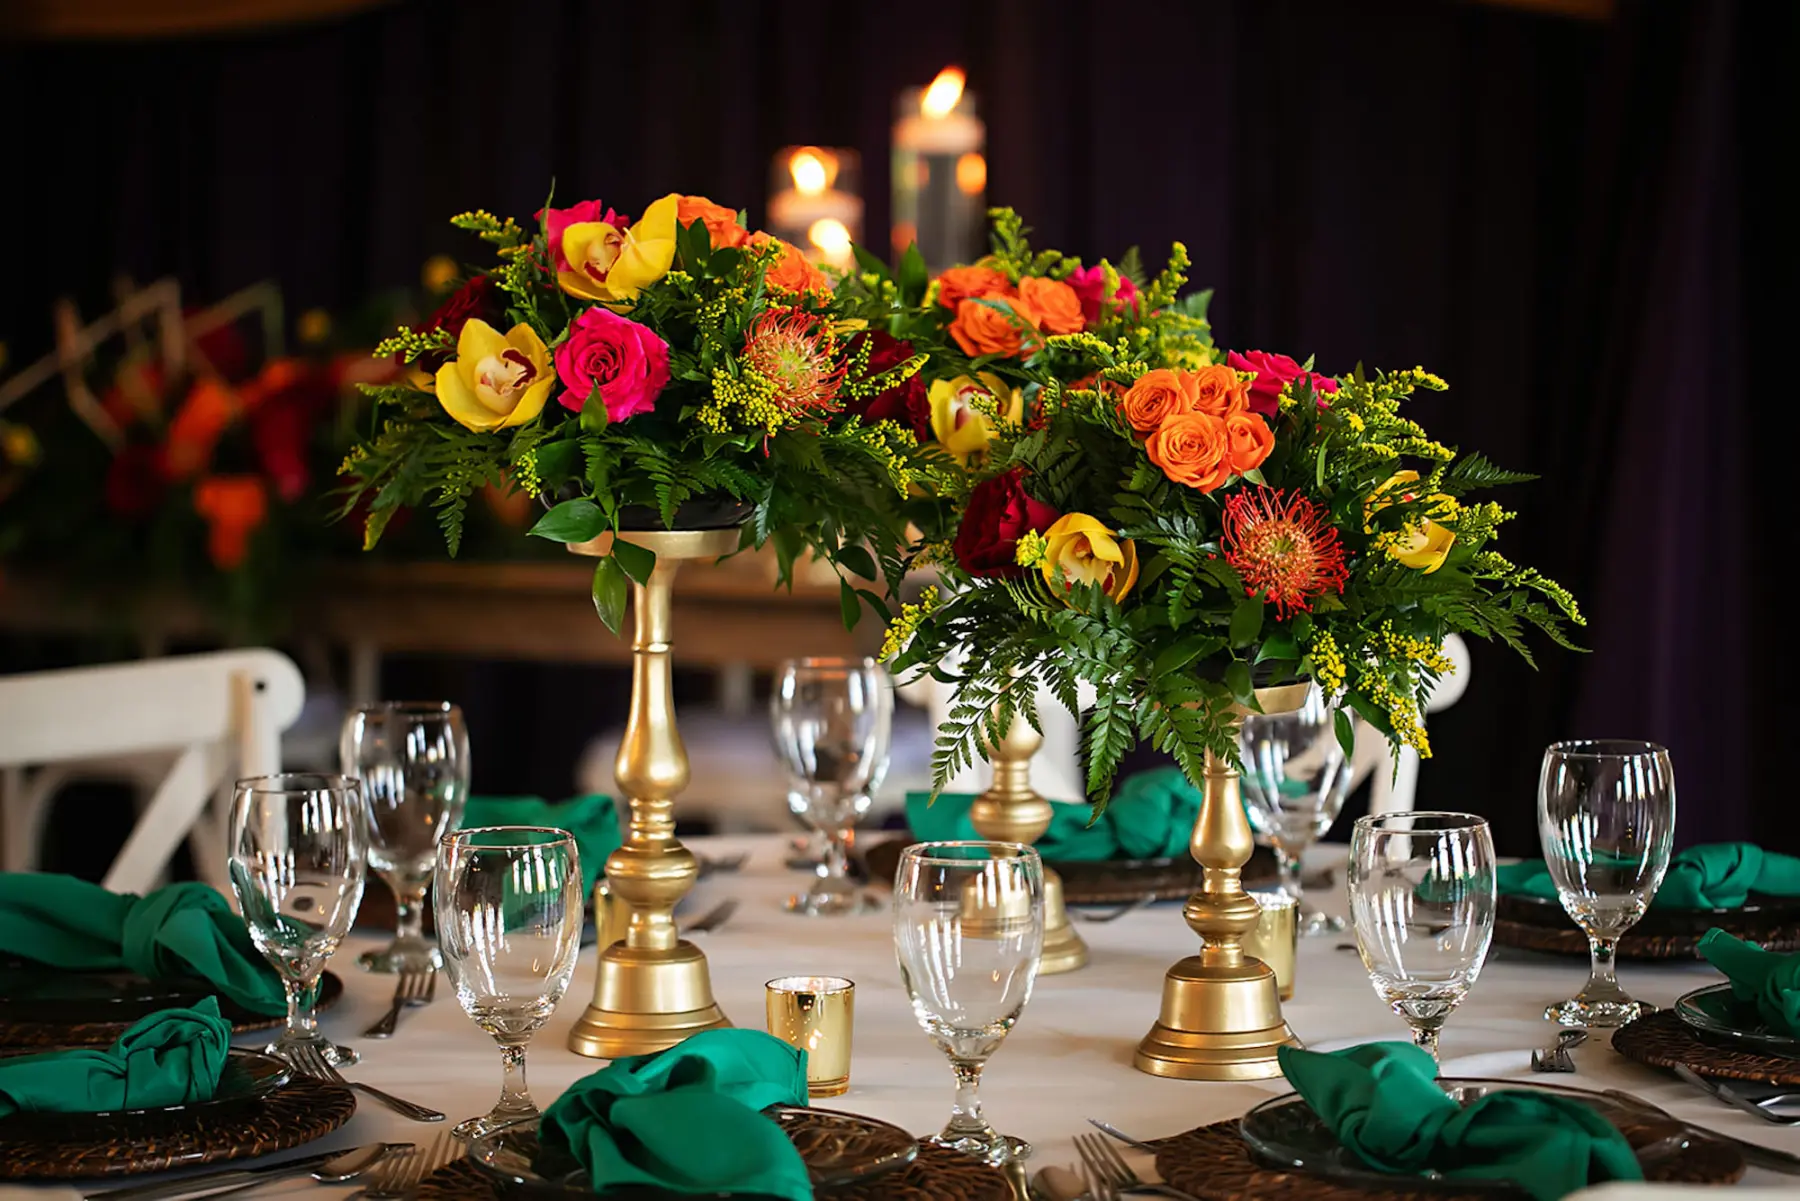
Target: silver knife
(1754, 1154)
(206, 1182)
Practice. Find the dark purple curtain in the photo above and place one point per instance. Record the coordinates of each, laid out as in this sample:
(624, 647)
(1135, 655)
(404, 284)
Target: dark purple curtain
(1577, 223)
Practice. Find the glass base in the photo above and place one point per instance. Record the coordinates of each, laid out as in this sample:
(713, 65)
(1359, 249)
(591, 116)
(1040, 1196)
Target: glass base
(1314, 924)
(487, 1123)
(992, 1147)
(403, 955)
(1600, 1015)
(338, 1057)
(834, 903)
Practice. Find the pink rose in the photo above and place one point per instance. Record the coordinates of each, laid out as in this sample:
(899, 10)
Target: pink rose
(557, 220)
(1090, 284)
(627, 362)
(1274, 372)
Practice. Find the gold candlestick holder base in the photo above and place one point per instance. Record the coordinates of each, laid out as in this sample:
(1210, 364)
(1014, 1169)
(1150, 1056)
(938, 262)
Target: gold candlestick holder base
(1012, 811)
(652, 989)
(1221, 1009)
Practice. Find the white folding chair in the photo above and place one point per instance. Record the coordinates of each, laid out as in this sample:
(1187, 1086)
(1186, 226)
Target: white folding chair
(219, 716)
(1393, 786)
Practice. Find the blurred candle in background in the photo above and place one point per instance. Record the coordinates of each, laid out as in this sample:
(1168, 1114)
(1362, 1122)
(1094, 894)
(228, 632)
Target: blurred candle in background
(814, 202)
(940, 172)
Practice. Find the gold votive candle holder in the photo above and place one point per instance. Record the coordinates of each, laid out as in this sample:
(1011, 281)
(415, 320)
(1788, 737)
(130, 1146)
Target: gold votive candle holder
(816, 1014)
(1276, 937)
(611, 915)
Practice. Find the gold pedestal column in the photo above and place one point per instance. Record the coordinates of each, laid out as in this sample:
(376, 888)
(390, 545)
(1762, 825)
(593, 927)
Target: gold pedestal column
(1012, 811)
(1221, 1009)
(652, 989)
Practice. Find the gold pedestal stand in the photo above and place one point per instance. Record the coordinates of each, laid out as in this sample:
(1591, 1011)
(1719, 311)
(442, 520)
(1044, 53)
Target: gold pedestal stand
(653, 989)
(1012, 811)
(1221, 1009)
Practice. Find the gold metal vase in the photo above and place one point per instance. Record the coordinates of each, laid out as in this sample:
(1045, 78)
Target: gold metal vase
(1221, 1009)
(1012, 811)
(652, 989)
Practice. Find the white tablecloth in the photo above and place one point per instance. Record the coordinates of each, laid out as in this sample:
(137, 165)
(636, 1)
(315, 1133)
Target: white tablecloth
(1068, 1059)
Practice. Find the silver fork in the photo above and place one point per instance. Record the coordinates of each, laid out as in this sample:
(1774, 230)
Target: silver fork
(713, 918)
(1109, 1174)
(1113, 915)
(413, 988)
(1557, 1058)
(311, 1063)
(1724, 1092)
(404, 1172)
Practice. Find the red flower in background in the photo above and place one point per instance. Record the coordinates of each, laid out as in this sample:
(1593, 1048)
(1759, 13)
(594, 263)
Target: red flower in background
(1274, 372)
(233, 506)
(479, 297)
(907, 404)
(1090, 285)
(1284, 546)
(285, 403)
(135, 482)
(998, 515)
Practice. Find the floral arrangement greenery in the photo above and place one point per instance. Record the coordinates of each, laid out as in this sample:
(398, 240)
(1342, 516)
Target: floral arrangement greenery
(1176, 527)
(621, 370)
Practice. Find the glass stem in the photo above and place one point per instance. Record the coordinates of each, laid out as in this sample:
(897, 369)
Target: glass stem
(409, 915)
(965, 1112)
(1289, 865)
(1601, 955)
(836, 860)
(301, 1025)
(1426, 1039)
(515, 1097)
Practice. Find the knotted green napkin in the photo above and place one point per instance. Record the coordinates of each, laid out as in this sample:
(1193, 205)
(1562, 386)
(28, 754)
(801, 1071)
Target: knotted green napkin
(1151, 816)
(687, 1119)
(1383, 1102)
(171, 1057)
(1719, 875)
(183, 930)
(591, 819)
(1769, 979)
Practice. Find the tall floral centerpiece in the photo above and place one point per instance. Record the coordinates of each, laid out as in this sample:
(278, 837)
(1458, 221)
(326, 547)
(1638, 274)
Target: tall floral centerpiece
(672, 387)
(1184, 534)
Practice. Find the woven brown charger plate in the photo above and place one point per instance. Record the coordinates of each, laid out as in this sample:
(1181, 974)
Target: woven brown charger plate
(1214, 1164)
(1535, 925)
(1099, 881)
(292, 1116)
(19, 1036)
(1663, 1040)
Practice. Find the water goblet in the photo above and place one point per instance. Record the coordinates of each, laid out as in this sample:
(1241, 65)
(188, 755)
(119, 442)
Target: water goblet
(1422, 894)
(832, 719)
(299, 852)
(1295, 779)
(509, 915)
(1606, 815)
(413, 760)
(969, 933)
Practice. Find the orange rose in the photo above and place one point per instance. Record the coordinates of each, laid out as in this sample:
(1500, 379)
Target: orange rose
(232, 506)
(1156, 396)
(983, 329)
(1251, 442)
(971, 283)
(721, 222)
(791, 272)
(1051, 305)
(1192, 449)
(210, 407)
(1219, 390)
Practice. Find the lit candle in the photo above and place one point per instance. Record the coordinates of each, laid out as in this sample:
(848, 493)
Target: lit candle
(813, 202)
(940, 172)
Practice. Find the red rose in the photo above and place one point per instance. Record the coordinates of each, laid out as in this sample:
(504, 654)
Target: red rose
(1090, 285)
(998, 515)
(1274, 372)
(287, 401)
(479, 297)
(907, 404)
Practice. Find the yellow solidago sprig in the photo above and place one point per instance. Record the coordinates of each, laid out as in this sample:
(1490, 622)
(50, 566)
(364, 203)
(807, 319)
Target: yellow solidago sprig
(1031, 551)
(410, 343)
(900, 631)
(1327, 662)
(1401, 708)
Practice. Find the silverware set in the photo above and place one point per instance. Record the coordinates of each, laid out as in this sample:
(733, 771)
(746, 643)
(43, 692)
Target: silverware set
(1556, 1058)
(308, 1061)
(1757, 1106)
(1108, 1174)
(413, 988)
(399, 1175)
(713, 918)
(326, 1167)
(1114, 914)
(1755, 1154)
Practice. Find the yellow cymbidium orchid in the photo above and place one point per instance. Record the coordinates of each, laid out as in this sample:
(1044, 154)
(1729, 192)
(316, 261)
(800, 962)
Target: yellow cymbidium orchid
(612, 265)
(495, 381)
(1087, 552)
(1425, 545)
(962, 429)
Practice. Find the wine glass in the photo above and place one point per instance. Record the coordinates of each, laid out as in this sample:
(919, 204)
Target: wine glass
(413, 760)
(1422, 902)
(1296, 777)
(1606, 815)
(832, 719)
(509, 914)
(969, 932)
(299, 851)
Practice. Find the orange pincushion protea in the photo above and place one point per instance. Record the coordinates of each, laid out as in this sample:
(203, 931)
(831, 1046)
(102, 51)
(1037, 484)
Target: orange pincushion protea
(1284, 548)
(794, 352)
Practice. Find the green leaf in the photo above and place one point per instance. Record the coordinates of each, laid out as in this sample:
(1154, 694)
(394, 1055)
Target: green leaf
(724, 261)
(855, 558)
(1279, 645)
(572, 521)
(876, 603)
(1346, 733)
(1247, 620)
(914, 276)
(609, 592)
(593, 413)
(1319, 470)
(636, 561)
(1302, 625)
(868, 263)
(557, 460)
(1185, 652)
(1237, 678)
(849, 604)
(1255, 476)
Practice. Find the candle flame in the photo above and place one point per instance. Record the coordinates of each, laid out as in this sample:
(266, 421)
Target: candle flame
(940, 99)
(813, 170)
(831, 236)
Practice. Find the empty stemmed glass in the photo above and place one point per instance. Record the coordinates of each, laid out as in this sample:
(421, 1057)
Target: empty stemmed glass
(832, 720)
(299, 847)
(1606, 815)
(969, 932)
(509, 915)
(1422, 895)
(413, 760)
(1295, 779)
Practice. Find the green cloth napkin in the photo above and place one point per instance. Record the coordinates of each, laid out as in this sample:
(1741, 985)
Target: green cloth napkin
(1384, 1103)
(170, 1057)
(687, 1119)
(1151, 816)
(591, 819)
(183, 930)
(1769, 979)
(1719, 875)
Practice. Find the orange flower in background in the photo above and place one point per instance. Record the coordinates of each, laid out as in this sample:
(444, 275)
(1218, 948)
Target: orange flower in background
(1051, 305)
(971, 283)
(1251, 441)
(720, 222)
(1192, 449)
(791, 272)
(1219, 390)
(210, 407)
(1157, 396)
(984, 329)
(233, 506)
